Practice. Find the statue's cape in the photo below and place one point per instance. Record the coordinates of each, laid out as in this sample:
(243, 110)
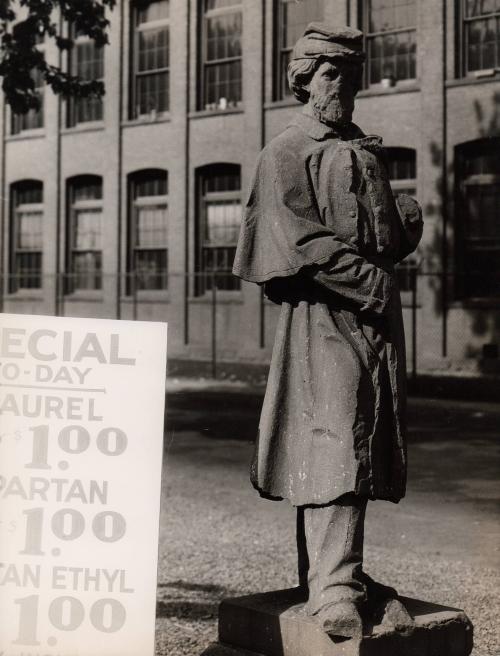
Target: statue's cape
(282, 230)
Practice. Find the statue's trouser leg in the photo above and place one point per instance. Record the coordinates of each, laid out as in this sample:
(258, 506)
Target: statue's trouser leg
(334, 540)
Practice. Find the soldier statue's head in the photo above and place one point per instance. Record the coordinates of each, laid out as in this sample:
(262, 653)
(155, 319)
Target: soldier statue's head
(326, 70)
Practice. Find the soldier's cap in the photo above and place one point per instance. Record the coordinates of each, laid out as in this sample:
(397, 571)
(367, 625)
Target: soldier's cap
(322, 39)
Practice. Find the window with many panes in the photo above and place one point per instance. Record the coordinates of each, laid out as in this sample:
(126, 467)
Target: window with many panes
(26, 236)
(221, 54)
(148, 231)
(293, 18)
(84, 270)
(33, 118)
(219, 222)
(86, 61)
(478, 227)
(151, 58)
(391, 45)
(481, 35)
(402, 169)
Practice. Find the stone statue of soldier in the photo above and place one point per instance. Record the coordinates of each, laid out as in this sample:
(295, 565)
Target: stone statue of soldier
(322, 231)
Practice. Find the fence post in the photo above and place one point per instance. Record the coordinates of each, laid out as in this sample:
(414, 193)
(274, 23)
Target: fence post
(414, 323)
(134, 295)
(262, 319)
(214, 326)
(444, 309)
(59, 294)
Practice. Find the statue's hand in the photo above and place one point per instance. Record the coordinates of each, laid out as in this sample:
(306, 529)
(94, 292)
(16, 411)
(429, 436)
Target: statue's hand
(410, 213)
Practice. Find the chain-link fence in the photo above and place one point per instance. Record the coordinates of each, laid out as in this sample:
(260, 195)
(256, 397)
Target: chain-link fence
(215, 319)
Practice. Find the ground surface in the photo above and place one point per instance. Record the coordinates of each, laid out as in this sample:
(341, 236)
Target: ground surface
(441, 543)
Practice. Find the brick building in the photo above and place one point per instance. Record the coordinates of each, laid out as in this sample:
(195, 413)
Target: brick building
(130, 206)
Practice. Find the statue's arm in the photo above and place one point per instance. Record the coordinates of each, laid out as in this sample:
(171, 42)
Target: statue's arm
(366, 286)
(411, 225)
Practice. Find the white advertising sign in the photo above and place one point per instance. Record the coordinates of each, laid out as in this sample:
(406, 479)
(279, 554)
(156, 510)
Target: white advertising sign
(81, 444)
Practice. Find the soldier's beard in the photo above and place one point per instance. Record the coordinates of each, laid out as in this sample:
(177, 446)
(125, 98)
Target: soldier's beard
(334, 108)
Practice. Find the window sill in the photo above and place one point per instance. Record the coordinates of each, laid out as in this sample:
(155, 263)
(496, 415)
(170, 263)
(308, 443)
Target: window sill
(411, 86)
(222, 297)
(205, 113)
(93, 296)
(280, 104)
(25, 295)
(472, 80)
(94, 126)
(149, 296)
(38, 133)
(476, 304)
(146, 120)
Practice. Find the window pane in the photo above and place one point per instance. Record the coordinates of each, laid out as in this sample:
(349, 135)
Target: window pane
(33, 119)
(402, 163)
(28, 271)
(479, 210)
(152, 93)
(88, 64)
(223, 81)
(295, 18)
(482, 43)
(405, 272)
(153, 11)
(219, 226)
(87, 271)
(91, 190)
(391, 55)
(152, 78)
(151, 269)
(223, 219)
(151, 185)
(151, 226)
(87, 229)
(224, 36)
(220, 4)
(29, 230)
(29, 193)
(222, 57)
(481, 7)
(391, 14)
(153, 49)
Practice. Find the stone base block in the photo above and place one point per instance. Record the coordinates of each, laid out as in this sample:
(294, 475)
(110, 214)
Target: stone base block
(274, 624)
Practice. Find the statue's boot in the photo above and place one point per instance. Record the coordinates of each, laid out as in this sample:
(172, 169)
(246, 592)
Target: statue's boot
(341, 619)
(377, 591)
(395, 615)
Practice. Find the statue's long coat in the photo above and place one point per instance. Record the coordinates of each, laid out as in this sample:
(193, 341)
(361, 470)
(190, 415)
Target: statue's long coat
(323, 231)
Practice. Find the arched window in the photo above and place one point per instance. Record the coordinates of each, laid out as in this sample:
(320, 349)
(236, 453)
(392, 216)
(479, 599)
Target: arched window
(86, 61)
(84, 252)
(26, 235)
(478, 213)
(292, 19)
(391, 43)
(221, 54)
(151, 58)
(148, 230)
(219, 219)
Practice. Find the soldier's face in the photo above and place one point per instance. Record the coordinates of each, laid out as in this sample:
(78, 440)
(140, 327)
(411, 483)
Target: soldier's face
(332, 89)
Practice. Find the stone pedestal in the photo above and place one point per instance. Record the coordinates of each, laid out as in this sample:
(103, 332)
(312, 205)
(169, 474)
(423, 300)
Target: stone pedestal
(274, 624)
